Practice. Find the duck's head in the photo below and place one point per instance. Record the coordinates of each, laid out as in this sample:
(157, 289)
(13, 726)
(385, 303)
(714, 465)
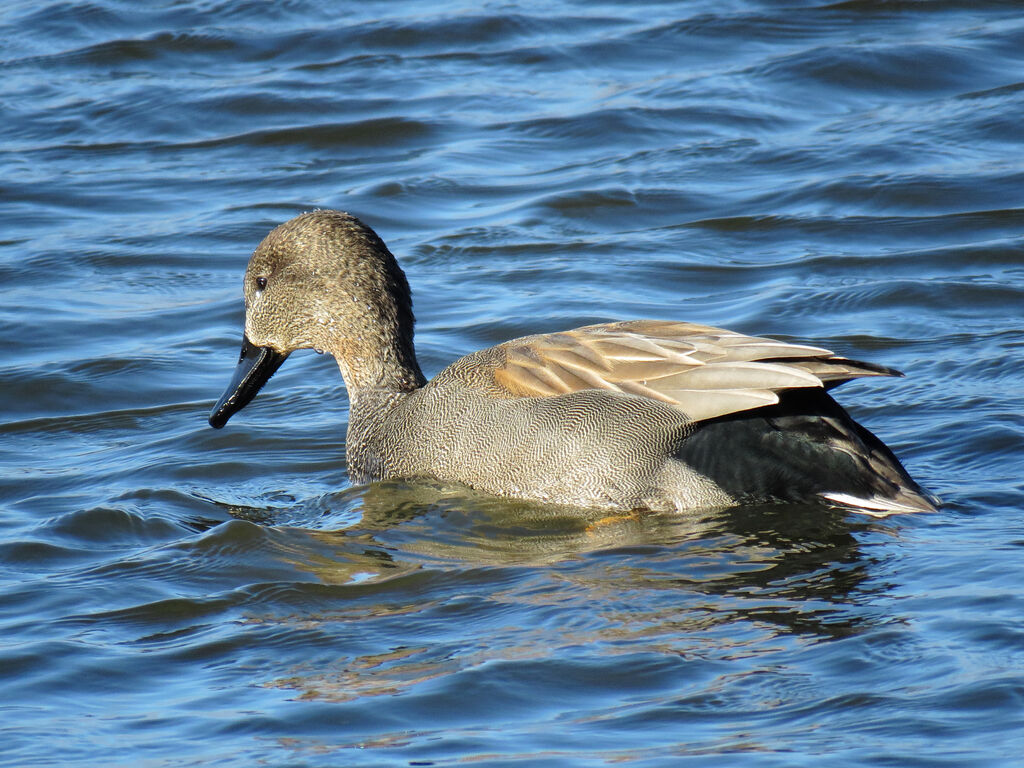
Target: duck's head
(324, 281)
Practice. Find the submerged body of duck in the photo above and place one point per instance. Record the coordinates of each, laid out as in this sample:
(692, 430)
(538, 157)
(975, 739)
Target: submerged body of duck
(632, 415)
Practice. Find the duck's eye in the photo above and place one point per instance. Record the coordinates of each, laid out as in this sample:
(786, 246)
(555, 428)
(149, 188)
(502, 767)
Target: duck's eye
(261, 283)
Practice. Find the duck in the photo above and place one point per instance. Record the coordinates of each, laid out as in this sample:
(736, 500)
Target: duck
(621, 416)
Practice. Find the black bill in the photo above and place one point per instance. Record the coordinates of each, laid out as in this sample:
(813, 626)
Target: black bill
(255, 367)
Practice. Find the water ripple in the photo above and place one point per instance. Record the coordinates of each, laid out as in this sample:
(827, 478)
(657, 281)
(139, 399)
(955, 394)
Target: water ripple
(845, 174)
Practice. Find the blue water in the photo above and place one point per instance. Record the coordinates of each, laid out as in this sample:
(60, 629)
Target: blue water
(848, 175)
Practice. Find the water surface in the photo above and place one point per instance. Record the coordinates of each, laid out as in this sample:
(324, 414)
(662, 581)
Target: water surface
(847, 174)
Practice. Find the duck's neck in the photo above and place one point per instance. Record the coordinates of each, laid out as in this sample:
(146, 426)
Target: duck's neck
(381, 362)
(377, 383)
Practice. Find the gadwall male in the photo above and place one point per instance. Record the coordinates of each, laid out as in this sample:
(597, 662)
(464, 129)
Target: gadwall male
(633, 415)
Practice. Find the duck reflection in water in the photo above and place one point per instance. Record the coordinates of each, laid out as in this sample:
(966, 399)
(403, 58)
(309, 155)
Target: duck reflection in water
(710, 583)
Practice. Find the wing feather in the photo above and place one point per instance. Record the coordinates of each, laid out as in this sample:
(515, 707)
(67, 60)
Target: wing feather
(703, 371)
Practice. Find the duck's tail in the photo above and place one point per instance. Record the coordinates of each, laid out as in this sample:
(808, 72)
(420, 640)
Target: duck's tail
(805, 447)
(903, 502)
